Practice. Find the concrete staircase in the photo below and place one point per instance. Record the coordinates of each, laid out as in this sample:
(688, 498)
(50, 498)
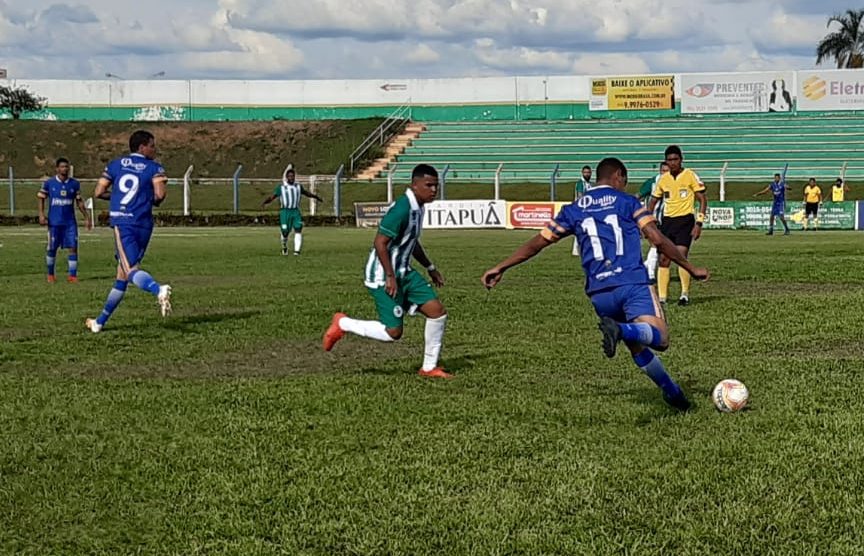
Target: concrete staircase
(394, 148)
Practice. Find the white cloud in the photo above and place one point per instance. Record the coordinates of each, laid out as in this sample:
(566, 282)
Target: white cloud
(392, 38)
(422, 54)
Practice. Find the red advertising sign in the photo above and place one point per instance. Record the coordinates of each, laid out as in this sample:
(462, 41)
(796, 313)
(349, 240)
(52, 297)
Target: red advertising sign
(529, 216)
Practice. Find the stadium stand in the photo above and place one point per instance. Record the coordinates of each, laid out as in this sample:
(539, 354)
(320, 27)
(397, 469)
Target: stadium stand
(813, 145)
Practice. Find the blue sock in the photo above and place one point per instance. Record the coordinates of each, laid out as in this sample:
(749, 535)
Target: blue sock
(50, 257)
(144, 281)
(115, 296)
(641, 332)
(73, 265)
(653, 367)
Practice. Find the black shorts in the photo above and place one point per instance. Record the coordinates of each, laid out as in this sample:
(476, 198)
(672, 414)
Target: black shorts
(678, 229)
(811, 208)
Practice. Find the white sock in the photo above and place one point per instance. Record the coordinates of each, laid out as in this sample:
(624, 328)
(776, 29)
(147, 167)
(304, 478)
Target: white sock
(366, 328)
(434, 338)
(651, 263)
(298, 241)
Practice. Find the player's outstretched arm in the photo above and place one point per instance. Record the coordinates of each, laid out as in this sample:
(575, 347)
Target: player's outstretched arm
(310, 194)
(268, 200)
(666, 247)
(526, 251)
(762, 192)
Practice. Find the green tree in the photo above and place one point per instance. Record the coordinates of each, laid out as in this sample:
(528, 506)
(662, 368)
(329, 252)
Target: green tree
(846, 45)
(18, 100)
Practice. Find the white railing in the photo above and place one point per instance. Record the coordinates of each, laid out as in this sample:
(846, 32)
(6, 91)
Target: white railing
(382, 134)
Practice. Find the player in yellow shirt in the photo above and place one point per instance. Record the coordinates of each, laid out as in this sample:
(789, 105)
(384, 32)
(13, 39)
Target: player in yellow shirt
(812, 201)
(680, 188)
(839, 191)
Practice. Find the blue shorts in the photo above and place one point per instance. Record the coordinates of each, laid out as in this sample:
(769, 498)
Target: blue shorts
(63, 237)
(626, 303)
(130, 243)
(778, 209)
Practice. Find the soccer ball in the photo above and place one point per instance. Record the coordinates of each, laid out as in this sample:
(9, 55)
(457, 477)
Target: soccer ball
(730, 395)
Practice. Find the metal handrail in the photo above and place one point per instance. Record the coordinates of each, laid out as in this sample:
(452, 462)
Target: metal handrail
(381, 134)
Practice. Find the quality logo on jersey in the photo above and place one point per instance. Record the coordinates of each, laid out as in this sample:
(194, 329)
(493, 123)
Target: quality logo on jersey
(129, 163)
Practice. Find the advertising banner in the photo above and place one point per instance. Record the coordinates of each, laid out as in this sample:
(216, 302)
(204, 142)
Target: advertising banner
(830, 90)
(638, 92)
(466, 214)
(724, 93)
(747, 215)
(369, 215)
(530, 215)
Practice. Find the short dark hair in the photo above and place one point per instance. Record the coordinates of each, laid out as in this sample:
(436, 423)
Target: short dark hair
(607, 168)
(776, 175)
(664, 163)
(290, 171)
(673, 149)
(60, 161)
(586, 167)
(138, 138)
(422, 170)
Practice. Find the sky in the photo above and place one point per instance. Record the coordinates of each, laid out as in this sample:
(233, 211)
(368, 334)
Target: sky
(380, 39)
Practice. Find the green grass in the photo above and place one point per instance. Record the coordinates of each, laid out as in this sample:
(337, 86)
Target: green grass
(225, 428)
(211, 197)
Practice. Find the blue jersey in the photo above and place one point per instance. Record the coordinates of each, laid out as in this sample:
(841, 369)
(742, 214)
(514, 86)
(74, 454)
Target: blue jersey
(607, 224)
(779, 191)
(132, 191)
(61, 197)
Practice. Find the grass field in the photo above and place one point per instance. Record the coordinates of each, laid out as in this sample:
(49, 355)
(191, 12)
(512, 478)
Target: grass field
(211, 197)
(226, 429)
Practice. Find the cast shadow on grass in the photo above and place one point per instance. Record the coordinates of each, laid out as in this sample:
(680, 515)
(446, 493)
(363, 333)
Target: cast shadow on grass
(192, 323)
(453, 365)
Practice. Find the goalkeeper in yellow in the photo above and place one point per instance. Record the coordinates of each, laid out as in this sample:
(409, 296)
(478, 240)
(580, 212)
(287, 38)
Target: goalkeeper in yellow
(679, 189)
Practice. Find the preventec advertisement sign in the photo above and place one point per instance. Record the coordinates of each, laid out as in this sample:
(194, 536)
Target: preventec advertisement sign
(724, 93)
(465, 214)
(746, 215)
(637, 92)
(830, 90)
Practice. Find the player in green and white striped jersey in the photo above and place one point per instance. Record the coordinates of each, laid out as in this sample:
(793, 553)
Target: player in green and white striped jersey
(395, 286)
(289, 215)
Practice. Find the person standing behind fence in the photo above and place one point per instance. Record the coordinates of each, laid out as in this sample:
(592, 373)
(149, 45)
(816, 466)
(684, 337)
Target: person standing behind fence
(584, 183)
(812, 201)
(61, 192)
(839, 191)
(289, 215)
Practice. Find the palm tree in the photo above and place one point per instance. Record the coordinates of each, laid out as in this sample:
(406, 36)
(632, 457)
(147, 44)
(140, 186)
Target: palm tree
(846, 45)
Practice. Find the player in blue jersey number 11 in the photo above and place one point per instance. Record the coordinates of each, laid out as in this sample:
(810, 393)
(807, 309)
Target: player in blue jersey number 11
(607, 223)
(134, 184)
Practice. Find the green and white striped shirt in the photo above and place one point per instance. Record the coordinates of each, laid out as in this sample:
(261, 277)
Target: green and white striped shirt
(403, 224)
(289, 195)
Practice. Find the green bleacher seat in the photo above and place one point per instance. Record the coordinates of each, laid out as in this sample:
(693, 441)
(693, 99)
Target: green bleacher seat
(754, 148)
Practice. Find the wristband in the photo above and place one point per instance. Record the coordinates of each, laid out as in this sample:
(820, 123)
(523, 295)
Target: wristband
(700, 218)
(431, 268)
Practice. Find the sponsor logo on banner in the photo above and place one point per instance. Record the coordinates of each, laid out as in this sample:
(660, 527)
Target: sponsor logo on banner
(465, 214)
(529, 216)
(736, 92)
(831, 90)
(721, 217)
(369, 215)
(637, 92)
